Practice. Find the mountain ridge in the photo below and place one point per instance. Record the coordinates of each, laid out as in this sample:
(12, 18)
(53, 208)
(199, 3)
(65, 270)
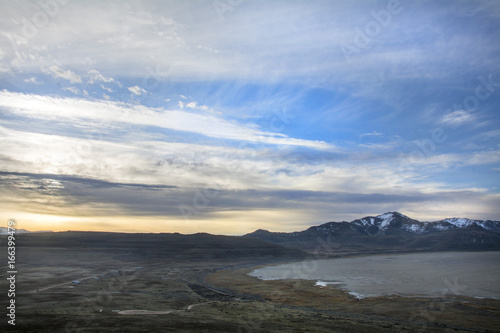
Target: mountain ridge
(5, 231)
(387, 220)
(393, 230)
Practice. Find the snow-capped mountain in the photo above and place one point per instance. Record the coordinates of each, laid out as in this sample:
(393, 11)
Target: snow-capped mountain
(393, 227)
(394, 222)
(465, 223)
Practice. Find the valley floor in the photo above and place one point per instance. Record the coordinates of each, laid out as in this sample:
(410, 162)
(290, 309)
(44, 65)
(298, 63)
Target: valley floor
(87, 290)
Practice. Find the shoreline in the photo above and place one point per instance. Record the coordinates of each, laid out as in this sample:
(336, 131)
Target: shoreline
(383, 275)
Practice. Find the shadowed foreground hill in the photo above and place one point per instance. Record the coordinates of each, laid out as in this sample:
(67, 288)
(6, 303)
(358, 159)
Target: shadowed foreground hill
(176, 245)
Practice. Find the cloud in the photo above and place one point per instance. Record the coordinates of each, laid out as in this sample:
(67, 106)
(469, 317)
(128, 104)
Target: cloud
(265, 42)
(456, 118)
(135, 159)
(194, 106)
(191, 105)
(343, 127)
(68, 75)
(33, 80)
(374, 133)
(81, 111)
(137, 90)
(103, 87)
(93, 76)
(54, 181)
(380, 146)
(75, 197)
(74, 90)
(148, 159)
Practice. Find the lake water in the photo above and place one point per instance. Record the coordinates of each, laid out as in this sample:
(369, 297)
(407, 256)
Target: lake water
(436, 274)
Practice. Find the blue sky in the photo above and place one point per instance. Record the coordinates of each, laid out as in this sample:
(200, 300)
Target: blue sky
(227, 116)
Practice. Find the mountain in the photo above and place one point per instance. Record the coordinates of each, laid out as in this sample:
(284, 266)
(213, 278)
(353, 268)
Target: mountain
(392, 230)
(4, 231)
(394, 222)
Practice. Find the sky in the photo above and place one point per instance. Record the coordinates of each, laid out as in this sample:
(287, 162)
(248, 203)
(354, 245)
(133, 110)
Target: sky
(226, 116)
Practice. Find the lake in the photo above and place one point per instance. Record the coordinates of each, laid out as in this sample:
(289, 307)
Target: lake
(436, 274)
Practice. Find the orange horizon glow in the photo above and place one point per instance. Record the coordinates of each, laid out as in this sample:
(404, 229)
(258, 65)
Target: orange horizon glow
(229, 223)
(226, 223)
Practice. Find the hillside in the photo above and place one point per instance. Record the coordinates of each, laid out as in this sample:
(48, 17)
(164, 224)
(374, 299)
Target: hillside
(391, 231)
(165, 245)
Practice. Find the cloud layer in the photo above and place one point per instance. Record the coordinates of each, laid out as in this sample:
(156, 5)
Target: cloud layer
(255, 115)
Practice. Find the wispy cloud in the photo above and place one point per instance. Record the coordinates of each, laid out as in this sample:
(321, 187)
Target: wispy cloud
(456, 118)
(261, 109)
(57, 72)
(79, 110)
(33, 80)
(374, 133)
(263, 43)
(136, 90)
(64, 195)
(94, 76)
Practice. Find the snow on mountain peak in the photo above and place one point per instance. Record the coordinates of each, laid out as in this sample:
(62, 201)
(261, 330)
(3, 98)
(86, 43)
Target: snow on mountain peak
(464, 223)
(394, 214)
(386, 219)
(397, 220)
(460, 222)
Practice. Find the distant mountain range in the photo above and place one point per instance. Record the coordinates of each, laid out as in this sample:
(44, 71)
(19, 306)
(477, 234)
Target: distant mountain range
(4, 231)
(389, 232)
(392, 230)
